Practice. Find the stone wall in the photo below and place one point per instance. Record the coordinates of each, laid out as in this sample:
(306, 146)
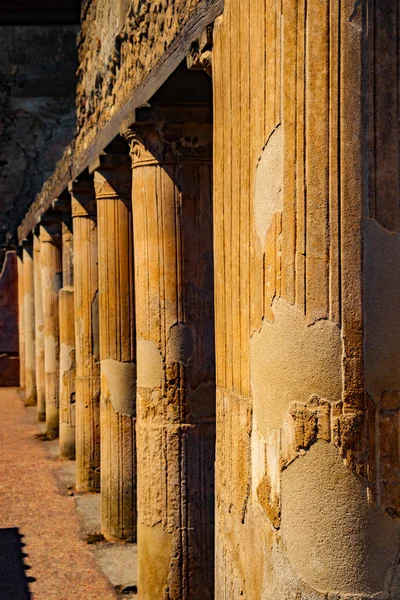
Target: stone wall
(120, 42)
(37, 91)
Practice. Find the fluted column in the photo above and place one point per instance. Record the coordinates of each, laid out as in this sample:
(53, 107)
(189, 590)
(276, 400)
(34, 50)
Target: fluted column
(29, 324)
(50, 263)
(172, 208)
(67, 343)
(112, 180)
(39, 330)
(21, 319)
(87, 380)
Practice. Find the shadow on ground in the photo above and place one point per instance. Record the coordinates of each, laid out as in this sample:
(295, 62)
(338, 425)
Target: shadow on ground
(14, 584)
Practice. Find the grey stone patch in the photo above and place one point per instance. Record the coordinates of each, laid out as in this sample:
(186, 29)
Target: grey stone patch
(121, 385)
(66, 474)
(149, 364)
(118, 562)
(88, 507)
(180, 343)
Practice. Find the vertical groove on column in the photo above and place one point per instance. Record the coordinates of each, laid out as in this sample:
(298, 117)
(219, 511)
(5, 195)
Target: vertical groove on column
(39, 331)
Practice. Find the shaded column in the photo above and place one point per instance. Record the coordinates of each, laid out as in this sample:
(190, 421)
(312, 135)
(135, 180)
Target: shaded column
(29, 324)
(50, 262)
(87, 380)
(67, 337)
(39, 329)
(67, 373)
(172, 208)
(112, 180)
(21, 319)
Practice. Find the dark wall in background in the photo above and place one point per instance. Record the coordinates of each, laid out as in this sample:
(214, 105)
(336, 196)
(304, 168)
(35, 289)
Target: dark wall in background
(9, 361)
(38, 66)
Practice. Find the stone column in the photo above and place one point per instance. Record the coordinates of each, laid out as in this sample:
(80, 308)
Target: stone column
(67, 373)
(50, 262)
(112, 180)
(172, 208)
(67, 343)
(87, 380)
(39, 330)
(29, 324)
(21, 325)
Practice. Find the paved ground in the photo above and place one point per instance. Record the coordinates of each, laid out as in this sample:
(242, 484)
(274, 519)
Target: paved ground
(42, 556)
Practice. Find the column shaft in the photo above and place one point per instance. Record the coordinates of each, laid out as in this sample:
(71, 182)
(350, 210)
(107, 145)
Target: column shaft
(29, 324)
(50, 249)
(117, 350)
(39, 331)
(172, 210)
(21, 319)
(67, 344)
(86, 337)
(67, 373)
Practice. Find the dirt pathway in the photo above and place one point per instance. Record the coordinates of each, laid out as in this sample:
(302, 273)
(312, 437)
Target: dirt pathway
(54, 563)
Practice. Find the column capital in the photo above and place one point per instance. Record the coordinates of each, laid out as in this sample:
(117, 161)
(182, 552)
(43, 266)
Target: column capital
(62, 204)
(27, 243)
(112, 172)
(83, 201)
(50, 226)
(169, 143)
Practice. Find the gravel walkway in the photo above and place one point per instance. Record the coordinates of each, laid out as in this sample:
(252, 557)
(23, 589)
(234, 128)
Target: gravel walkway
(50, 561)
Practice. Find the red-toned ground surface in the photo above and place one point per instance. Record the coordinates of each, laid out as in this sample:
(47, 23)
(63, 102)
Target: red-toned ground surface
(60, 562)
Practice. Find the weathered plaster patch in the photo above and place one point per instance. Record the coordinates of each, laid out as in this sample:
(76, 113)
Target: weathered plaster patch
(118, 381)
(291, 361)
(269, 183)
(180, 343)
(65, 358)
(202, 400)
(149, 364)
(50, 354)
(334, 539)
(382, 322)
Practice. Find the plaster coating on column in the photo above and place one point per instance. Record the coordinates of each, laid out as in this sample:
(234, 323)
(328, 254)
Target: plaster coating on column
(39, 330)
(67, 345)
(87, 382)
(112, 181)
(172, 208)
(29, 323)
(50, 262)
(21, 319)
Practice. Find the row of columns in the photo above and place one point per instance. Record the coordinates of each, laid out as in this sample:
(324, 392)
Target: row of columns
(117, 347)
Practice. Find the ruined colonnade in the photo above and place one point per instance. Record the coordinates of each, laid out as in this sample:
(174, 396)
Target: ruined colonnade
(129, 372)
(220, 327)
